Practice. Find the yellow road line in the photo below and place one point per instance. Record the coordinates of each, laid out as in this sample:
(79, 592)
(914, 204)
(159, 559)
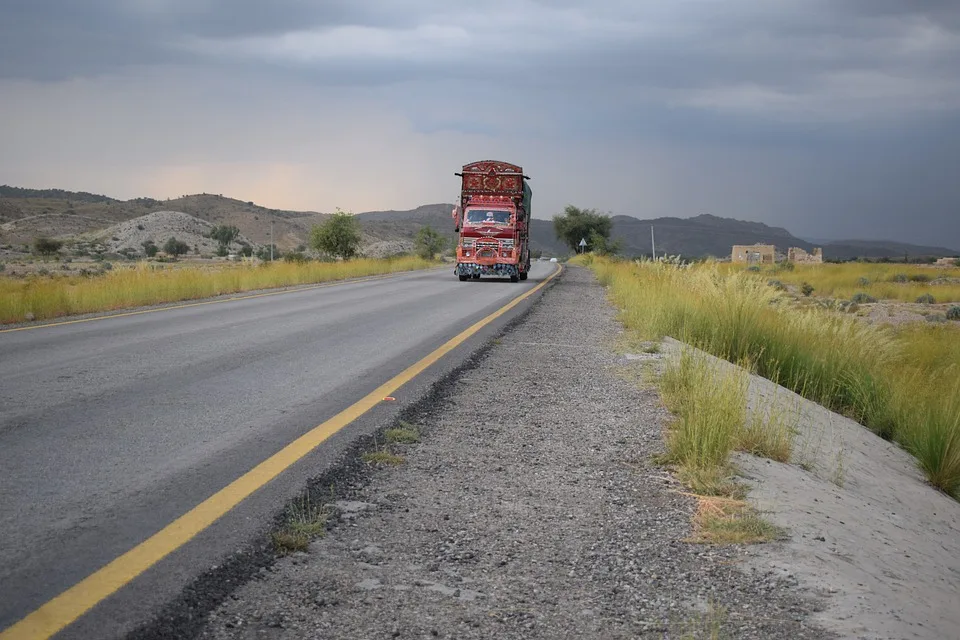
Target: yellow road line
(298, 288)
(62, 610)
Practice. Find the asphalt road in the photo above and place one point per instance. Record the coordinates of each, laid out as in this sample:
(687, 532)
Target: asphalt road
(111, 429)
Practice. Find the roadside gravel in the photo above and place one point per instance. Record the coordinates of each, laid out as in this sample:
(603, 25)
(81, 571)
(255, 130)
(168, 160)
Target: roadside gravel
(530, 509)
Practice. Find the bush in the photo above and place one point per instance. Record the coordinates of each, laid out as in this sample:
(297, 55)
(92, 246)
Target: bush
(340, 235)
(862, 298)
(776, 284)
(428, 243)
(936, 318)
(901, 277)
(786, 265)
(953, 313)
(863, 282)
(268, 252)
(754, 268)
(47, 246)
(806, 288)
(106, 266)
(175, 247)
(296, 256)
(920, 277)
(926, 299)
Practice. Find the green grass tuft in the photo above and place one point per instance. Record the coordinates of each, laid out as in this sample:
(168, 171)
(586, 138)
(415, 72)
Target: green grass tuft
(382, 458)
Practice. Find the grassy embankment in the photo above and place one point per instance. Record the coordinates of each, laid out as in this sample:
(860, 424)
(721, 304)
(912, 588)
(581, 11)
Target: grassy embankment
(42, 297)
(901, 383)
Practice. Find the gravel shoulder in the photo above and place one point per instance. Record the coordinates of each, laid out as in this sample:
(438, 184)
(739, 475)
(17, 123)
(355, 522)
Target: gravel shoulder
(529, 509)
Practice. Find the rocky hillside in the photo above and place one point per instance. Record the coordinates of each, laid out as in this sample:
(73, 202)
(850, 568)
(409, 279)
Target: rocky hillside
(157, 227)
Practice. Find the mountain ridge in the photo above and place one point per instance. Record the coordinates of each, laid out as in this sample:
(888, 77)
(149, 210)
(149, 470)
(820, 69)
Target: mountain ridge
(28, 213)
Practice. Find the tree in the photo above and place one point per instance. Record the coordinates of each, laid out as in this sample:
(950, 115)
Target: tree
(224, 234)
(428, 243)
(339, 236)
(175, 247)
(47, 246)
(575, 224)
(150, 249)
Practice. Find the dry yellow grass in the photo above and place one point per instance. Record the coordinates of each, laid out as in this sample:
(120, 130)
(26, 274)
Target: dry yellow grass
(42, 298)
(730, 521)
(843, 281)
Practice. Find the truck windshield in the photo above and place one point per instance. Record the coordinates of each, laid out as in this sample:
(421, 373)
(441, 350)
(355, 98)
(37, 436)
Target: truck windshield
(488, 216)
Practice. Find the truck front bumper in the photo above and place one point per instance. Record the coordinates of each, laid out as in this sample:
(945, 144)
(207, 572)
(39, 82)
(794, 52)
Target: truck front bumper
(473, 269)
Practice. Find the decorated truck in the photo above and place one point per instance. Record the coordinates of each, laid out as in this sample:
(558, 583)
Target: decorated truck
(492, 220)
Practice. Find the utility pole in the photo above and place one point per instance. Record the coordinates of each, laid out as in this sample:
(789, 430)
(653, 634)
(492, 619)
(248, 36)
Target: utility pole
(653, 246)
(271, 241)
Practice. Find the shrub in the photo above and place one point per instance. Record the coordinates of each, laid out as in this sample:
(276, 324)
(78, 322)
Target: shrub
(106, 266)
(806, 288)
(862, 298)
(926, 299)
(3, 265)
(753, 268)
(936, 318)
(900, 277)
(920, 277)
(47, 246)
(295, 256)
(953, 313)
(863, 282)
(175, 247)
(428, 243)
(776, 284)
(340, 235)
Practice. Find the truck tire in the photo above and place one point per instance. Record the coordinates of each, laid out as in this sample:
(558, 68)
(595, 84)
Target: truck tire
(514, 278)
(523, 276)
(476, 276)
(463, 278)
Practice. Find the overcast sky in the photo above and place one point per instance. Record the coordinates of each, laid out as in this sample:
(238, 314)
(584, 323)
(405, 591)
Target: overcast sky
(832, 118)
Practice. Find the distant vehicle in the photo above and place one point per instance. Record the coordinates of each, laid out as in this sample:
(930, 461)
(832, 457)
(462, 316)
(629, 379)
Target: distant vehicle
(553, 259)
(493, 221)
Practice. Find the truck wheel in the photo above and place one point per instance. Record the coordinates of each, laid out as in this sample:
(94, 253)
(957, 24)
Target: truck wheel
(476, 276)
(523, 276)
(463, 278)
(514, 278)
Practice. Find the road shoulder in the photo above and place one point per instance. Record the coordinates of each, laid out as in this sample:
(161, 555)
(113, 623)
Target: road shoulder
(529, 508)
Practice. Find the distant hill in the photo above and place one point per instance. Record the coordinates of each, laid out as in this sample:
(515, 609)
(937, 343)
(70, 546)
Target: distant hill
(28, 213)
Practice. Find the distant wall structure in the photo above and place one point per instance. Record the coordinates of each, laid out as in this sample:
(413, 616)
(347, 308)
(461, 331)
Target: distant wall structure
(796, 254)
(946, 262)
(754, 253)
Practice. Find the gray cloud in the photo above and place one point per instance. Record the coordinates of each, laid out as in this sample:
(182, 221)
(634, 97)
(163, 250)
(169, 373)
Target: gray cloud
(825, 117)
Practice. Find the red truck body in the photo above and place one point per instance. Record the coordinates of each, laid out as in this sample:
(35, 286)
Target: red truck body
(492, 219)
